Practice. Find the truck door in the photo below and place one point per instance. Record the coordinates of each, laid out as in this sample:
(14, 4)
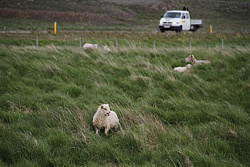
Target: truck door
(185, 19)
(188, 21)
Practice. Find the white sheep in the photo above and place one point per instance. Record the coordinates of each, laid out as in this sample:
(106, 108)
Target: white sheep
(104, 118)
(182, 69)
(193, 61)
(106, 48)
(90, 46)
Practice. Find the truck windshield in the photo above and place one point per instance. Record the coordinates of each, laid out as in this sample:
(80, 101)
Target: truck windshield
(172, 15)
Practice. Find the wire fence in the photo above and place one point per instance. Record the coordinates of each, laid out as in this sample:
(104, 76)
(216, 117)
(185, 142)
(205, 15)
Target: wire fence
(154, 43)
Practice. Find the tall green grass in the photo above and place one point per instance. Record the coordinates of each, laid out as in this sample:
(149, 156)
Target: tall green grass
(50, 94)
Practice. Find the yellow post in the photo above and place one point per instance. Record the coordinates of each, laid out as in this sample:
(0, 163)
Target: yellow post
(55, 28)
(211, 29)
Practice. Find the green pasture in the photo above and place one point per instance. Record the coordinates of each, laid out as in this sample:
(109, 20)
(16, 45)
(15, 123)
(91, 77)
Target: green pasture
(49, 94)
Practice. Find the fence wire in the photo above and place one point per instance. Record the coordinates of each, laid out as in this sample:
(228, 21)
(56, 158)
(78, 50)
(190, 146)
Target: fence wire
(74, 41)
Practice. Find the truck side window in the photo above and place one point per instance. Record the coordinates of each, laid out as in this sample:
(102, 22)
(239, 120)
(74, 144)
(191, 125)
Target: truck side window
(187, 16)
(183, 16)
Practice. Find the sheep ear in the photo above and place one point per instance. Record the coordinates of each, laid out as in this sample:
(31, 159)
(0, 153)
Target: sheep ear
(101, 107)
(192, 56)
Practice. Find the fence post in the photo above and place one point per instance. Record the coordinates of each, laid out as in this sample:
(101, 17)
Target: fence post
(55, 28)
(190, 45)
(37, 41)
(80, 39)
(154, 44)
(116, 43)
(222, 43)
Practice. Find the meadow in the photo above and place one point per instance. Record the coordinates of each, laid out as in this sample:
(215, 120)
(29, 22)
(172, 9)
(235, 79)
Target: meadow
(50, 93)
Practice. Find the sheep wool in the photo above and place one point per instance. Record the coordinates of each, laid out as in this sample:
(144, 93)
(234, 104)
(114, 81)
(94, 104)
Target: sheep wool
(182, 69)
(90, 46)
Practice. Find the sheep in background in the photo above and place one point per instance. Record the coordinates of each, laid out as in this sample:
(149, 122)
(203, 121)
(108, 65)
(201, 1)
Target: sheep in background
(90, 46)
(182, 69)
(104, 118)
(106, 48)
(193, 61)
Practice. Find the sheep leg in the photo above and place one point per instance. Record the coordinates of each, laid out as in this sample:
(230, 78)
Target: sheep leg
(107, 129)
(96, 130)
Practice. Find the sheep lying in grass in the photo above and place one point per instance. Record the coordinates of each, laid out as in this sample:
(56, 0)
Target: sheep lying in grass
(104, 118)
(94, 46)
(106, 48)
(193, 61)
(90, 46)
(182, 69)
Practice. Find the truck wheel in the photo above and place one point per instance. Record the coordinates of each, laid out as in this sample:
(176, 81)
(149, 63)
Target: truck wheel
(179, 30)
(195, 28)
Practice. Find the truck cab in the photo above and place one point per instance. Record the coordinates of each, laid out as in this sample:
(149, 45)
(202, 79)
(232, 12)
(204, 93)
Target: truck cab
(178, 20)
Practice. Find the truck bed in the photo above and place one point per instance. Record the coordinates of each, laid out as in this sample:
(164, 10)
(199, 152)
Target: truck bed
(196, 22)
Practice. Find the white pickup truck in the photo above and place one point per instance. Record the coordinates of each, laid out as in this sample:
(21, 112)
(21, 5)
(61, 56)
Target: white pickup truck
(178, 20)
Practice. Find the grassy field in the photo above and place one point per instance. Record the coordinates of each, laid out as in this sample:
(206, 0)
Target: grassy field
(49, 94)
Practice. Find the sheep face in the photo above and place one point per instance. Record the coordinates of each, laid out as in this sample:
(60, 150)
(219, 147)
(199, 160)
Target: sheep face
(190, 59)
(106, 48)
(105, 109)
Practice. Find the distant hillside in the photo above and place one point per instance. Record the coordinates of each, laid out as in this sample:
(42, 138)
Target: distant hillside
(138, 15)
